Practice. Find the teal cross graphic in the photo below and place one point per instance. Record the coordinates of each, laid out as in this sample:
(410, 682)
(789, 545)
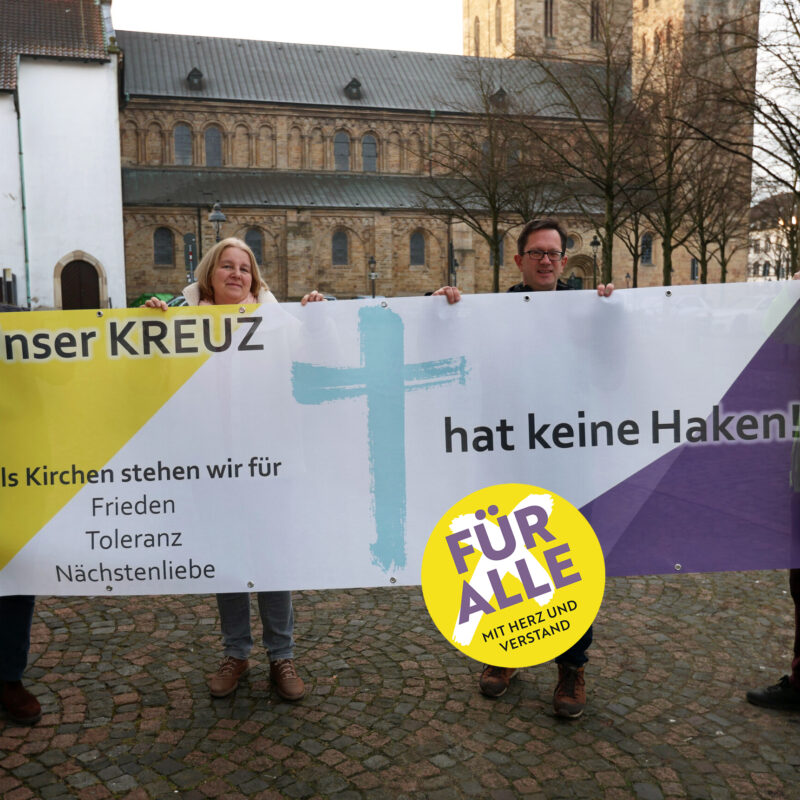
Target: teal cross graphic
(383, 378)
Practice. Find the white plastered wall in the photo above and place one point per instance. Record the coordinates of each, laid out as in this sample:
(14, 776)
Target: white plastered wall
(71, 157)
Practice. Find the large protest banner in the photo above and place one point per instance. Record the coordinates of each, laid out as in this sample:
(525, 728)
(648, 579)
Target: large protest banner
(280, 447)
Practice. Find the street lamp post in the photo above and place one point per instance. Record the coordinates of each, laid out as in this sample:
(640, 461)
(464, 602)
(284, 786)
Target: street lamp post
(217, 217)
(595, 245)
(373, 276)
(790, 231)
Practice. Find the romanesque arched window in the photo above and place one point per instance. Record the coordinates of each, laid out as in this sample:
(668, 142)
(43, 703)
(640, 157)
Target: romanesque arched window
(501, 254)
(254, 239)
(647, 248)
(213, 142)
(182, 145)
(513, 154)
(341, 151)
(163, 248)
(369, 153)
(417, 249)
(339, 249)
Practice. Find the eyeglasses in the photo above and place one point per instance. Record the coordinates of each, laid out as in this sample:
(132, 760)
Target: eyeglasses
(538, 255)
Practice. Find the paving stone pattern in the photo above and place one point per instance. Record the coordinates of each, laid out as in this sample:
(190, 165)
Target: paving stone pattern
(393, 711)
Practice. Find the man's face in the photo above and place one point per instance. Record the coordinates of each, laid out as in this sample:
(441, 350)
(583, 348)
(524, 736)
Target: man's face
(541, 274)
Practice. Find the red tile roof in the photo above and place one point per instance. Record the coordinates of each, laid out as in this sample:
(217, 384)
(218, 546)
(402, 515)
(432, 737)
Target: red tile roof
(50, 28)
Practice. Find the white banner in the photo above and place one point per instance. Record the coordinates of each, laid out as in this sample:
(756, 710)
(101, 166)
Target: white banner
(281, 447)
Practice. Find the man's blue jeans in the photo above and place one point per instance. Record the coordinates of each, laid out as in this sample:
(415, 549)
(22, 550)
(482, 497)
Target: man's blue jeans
(576, 655)
(16, 615)
(277, 620)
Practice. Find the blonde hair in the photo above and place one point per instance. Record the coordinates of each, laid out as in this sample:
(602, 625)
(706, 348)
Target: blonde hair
(210, 261)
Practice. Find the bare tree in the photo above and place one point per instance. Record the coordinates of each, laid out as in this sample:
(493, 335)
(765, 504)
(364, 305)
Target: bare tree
(630, 233)
(776, 215)
(768, 98)
(485, 171)
(590, 121)
(718, 193)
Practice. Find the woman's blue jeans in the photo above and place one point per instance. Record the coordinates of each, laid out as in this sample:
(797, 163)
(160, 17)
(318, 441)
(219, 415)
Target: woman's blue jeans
(277, 620)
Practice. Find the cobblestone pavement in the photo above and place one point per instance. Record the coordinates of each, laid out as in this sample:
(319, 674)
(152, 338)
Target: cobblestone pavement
(393, 711)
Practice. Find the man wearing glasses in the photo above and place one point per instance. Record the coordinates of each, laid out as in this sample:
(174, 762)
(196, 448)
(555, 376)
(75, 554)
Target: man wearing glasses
(541, 258)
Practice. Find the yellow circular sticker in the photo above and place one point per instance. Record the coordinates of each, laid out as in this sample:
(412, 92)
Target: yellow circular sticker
(513, 575)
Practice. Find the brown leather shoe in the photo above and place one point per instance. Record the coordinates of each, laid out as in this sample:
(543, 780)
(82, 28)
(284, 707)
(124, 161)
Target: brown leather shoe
(495, 680)
(20, 704)
(226, 679)
(288, 684)
(569, 698)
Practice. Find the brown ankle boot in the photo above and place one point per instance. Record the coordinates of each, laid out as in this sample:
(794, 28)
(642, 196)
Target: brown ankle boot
(495, 680)
(569, 698)
(226, 679)
(288, 684)
(20, 704)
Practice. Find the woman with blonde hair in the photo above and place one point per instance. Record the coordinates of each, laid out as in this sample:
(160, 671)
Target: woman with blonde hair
(228, 274)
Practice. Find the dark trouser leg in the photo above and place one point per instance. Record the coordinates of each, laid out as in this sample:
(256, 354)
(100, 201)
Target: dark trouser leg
(16, 615)
(576, 655)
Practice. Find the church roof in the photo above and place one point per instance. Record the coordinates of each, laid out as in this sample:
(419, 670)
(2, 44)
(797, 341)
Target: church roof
(71, 29)
(269, 189)
(159, 65)
(244, 188)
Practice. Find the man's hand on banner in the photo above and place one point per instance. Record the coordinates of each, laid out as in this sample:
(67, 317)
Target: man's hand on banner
(452, 293)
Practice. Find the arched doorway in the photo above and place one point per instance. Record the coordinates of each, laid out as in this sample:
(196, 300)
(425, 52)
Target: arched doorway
(579, 272)
(79, 281)
(80, 286)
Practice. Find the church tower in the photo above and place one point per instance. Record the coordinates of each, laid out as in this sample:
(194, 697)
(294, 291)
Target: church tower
(543, 28)
(574, 28)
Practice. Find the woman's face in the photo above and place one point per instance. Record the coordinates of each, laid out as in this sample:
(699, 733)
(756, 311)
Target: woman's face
(233, 277)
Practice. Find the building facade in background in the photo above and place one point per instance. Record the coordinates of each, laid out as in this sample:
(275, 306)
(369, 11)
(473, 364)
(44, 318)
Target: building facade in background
(319, 156)
(61, 235)
(115, 146)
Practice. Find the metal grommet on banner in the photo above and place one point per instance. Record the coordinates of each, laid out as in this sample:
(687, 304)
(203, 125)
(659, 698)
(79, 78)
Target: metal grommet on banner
(250, 584)
(678, 568)
(669, 293)
(392, 580)
(526, 298)
(242, 309)
(109, 588)
(384, 304)
(99, 313)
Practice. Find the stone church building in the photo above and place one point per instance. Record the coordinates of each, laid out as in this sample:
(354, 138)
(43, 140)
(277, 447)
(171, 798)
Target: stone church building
(317, 157)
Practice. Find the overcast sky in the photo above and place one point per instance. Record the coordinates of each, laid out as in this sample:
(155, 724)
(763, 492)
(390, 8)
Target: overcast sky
(426, 25)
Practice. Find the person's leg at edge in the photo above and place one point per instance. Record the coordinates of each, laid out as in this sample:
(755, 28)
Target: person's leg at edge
(234, 617)
(16, 616)
(569, 697)
(785, 694)
(277, 619)
(794, 586)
